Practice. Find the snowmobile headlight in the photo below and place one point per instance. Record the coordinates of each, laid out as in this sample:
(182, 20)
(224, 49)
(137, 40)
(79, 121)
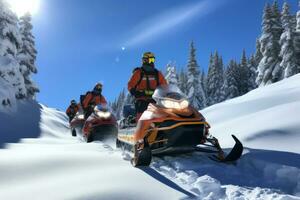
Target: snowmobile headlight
(80, 116)
(103, 114)
(184, 104)
(170, 104)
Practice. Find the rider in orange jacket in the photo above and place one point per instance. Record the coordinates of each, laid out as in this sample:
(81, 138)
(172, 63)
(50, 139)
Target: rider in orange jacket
(143, 82)
(72, 110)
(92, 99)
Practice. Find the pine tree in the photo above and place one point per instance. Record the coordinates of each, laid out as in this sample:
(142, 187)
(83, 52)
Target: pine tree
(196, 93)
(10, 42)
(258, 55)
(215, 80)
(10, 35)
(182, 83)
(297, 40)
(269, 70)
(287, 52)
(171, 75)
(203, 82)
(231, 85)
(27, 55)
(252, 66)
(118, 104)
(244, 75)
(129, 99)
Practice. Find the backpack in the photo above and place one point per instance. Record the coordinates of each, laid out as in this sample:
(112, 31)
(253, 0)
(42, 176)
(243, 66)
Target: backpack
(82, 97)
(144, 73)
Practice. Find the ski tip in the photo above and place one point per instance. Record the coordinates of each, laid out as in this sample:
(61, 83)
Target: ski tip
(236, 139)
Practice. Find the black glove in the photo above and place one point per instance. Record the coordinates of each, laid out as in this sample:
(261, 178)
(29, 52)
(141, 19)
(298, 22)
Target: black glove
(137, 93)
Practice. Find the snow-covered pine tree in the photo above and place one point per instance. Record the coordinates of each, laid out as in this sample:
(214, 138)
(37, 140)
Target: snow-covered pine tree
(182, 82)
(129, 99)
(287, 53)
(203, 82)
(10, 34)
(118, 104)
(244, 75)
(297, 39)
(231, 83)
(27, 55)
(10, 42)
(252, 66)
(269, 70)
(171, 75)
(196, 93)
(222, 96)
(258, 55)
(215, 80)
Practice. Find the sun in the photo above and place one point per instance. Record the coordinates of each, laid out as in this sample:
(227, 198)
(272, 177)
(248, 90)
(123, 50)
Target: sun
(20, 7)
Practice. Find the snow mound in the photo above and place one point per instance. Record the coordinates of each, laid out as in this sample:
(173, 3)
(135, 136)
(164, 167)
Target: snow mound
(265, 118)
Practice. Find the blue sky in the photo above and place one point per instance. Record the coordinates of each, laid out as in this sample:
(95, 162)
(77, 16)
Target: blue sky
(80, 42)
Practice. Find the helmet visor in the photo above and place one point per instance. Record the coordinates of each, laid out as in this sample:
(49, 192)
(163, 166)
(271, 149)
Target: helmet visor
(151, 60)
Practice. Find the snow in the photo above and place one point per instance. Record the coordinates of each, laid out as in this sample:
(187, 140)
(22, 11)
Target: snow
(265, 118)
(48, 163)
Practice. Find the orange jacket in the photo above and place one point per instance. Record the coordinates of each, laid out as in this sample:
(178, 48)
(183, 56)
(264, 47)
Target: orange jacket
(95, 99)
(72, 110)
(138, 80)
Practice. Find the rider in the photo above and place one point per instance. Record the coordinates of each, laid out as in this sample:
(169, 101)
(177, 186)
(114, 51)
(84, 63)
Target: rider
(72, 110)
(92, 99)
(143, 82)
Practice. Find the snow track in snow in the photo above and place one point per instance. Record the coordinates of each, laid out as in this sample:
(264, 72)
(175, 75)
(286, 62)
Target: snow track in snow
(249, 178)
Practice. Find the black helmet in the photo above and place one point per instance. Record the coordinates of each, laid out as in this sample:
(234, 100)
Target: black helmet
(73, 102)
(98, 88)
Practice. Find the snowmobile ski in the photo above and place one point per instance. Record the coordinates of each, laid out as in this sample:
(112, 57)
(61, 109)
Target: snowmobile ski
(234, 155)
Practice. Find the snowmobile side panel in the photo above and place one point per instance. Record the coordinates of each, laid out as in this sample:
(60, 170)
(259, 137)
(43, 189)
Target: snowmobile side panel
(174, 134)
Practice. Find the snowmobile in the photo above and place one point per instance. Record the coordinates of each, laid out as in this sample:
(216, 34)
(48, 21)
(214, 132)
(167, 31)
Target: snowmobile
(129, 117)
(100, 125)
(172, 126)
(77, 123)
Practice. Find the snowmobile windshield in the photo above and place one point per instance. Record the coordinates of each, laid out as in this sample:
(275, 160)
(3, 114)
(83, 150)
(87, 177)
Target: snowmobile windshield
(103, 108)
(170, 96)
(102, 111)
(171, 92)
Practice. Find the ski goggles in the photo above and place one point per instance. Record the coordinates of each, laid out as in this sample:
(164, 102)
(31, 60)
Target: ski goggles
(151, 60)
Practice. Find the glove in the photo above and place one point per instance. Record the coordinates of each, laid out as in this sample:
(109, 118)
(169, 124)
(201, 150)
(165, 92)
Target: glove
(136, 93)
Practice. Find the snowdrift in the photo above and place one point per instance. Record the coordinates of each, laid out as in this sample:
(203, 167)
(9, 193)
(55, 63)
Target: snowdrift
(265, 118)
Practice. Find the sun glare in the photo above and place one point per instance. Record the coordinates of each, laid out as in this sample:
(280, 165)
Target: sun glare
(20, 7)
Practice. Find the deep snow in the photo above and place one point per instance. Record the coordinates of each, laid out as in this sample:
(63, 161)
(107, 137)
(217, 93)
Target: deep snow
(50, 164)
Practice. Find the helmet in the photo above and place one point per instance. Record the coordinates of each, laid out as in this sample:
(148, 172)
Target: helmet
(73, 102)
(148, 58)
(98, 88)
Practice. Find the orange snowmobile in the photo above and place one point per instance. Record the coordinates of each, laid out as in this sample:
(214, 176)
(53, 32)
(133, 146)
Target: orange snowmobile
(100, 125)
(172, 126)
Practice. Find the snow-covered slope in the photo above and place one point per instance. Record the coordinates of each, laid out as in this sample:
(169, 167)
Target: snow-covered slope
(265, 118)
(50, 164)
(58, 166)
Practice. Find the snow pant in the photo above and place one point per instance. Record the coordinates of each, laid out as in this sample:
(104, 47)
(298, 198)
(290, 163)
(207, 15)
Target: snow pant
(140, 106)
(88, 111)
(71, 116)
